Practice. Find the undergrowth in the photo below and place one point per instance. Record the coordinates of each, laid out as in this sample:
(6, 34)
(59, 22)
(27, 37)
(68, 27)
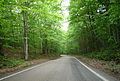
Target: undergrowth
(105, 57)
(114, 60)
(9, 62)
(12, 62)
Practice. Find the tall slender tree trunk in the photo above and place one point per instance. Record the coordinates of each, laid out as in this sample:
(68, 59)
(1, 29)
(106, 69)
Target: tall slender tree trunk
(25, 16)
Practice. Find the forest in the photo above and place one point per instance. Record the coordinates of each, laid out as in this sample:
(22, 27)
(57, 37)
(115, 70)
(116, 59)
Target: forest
(94, 29)
(31, 28)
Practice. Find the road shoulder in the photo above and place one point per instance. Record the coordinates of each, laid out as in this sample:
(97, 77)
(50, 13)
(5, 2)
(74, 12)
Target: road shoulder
(99, 66)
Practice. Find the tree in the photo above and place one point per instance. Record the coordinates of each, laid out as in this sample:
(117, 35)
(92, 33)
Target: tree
(93, 27)
(29, 26)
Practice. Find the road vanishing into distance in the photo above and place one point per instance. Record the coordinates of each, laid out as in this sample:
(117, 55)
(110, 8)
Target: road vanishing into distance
(66, 68)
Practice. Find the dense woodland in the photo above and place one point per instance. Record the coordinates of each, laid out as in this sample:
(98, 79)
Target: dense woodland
(30, 27)
(33, 27)
(94, 26)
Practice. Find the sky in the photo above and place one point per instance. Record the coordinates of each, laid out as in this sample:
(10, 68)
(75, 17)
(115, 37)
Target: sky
(65, 23)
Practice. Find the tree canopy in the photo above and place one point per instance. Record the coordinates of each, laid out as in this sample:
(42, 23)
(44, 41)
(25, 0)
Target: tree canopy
(94, 26)
(31, 24)
(34, 27)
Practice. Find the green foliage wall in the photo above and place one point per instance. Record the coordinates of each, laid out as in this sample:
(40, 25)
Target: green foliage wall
(94, 26)
(44, 30)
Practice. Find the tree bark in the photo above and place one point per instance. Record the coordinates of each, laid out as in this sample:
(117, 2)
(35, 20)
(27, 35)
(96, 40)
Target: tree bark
(25, 17)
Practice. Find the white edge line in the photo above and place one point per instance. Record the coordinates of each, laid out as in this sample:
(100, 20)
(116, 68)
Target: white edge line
(23, 71)
(104, 79)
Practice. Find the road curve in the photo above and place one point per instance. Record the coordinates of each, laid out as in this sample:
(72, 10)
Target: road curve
(66, 68)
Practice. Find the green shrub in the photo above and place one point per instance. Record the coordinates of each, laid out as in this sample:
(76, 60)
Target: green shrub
(1, 65)
(118, 66)
(8, 46)
(106, 57)
(26, 65)
(112, 63)
(10, 62)
(114, 70)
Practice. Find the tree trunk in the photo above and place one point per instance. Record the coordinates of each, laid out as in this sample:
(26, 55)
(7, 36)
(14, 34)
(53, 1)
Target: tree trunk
(25, 16)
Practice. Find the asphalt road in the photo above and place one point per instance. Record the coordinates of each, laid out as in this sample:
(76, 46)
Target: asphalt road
(66, 68)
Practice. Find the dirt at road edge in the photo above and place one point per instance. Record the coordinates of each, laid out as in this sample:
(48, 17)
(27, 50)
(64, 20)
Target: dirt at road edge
(104, 66)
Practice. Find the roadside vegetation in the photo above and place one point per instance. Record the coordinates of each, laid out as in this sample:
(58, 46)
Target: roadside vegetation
(94, 31)
(9, 62)
(111, 67)
(105, 57)
(30, 33)
(94, 28)
(31, 30)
